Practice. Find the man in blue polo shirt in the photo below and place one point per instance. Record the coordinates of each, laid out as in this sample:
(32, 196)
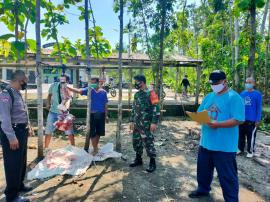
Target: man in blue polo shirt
(253, 109)
(99, 111)
(219, 139)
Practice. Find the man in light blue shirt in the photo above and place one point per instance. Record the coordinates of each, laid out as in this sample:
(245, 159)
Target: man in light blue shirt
(219, 139)
(253, 111)
(55, 97)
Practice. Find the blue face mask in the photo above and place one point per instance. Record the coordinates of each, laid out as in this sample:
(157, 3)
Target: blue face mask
(248, 86)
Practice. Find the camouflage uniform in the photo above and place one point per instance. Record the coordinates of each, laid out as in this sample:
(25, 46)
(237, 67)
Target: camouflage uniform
(143, 115)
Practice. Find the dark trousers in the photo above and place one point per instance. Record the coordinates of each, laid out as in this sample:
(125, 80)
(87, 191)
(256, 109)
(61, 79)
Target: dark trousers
(245, 133)
(225, 164)
(14, 162)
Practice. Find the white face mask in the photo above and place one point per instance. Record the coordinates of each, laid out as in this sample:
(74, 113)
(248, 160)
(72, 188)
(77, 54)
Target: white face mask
(63, 80)
(217, 88)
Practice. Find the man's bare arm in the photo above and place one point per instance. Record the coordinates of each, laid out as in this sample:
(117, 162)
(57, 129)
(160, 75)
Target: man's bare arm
(49, 99)
(224, 124)
(75, 90)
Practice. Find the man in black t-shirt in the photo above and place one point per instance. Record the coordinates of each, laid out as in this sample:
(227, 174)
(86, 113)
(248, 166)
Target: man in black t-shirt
(185, 83)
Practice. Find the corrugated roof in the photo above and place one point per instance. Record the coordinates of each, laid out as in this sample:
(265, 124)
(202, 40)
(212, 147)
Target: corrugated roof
(141, 56)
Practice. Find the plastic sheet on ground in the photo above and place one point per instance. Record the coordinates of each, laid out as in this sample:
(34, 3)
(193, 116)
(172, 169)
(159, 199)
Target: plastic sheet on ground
(106, 152)
(70, 161)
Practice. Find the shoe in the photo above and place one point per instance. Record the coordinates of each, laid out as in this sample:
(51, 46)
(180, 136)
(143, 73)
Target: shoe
(137, 162)
(239, 152)
(152, 165)
(196, 194)
(249, 155)
(20, 199)
(26, 189)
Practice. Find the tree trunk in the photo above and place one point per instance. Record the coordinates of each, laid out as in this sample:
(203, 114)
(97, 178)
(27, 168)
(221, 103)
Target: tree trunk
(154, 73)
(266, 83)
(182, 27)
(251, 59)
(17, 30)
(56, 39)
(119, 121)
(88, 70)
(25, 52)
(161, 46)
(39, 82)
(264, 17)
(232, 40)
(95, 37)
(236, 52)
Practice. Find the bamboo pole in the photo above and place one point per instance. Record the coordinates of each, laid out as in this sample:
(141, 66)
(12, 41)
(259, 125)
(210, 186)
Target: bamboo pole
(177, 82)
(198, 85)
(130, 87)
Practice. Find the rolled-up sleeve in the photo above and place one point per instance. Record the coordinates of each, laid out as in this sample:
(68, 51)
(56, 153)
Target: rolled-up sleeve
(5, 117)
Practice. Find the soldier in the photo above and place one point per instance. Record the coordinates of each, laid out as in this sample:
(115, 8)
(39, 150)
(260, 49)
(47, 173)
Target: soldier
(14, 133)
(144, 118)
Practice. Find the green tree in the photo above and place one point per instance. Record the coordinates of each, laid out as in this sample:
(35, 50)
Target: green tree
(251, 6)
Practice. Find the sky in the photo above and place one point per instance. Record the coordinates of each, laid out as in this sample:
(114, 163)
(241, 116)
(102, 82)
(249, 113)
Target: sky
(105, 18)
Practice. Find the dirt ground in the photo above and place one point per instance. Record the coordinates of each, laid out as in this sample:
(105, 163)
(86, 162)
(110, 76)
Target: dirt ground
(175, 177)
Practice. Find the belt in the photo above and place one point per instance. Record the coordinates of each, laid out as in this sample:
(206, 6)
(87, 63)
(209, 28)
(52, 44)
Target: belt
(20, 125)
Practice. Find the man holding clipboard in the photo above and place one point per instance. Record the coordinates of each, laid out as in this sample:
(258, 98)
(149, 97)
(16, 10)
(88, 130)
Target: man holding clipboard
(219, 139)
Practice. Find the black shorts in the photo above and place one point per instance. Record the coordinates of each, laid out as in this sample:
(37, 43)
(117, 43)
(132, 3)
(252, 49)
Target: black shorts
(97, 124)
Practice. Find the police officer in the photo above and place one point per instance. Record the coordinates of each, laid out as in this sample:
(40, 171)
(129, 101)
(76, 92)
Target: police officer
(144, 118)
(14, 134)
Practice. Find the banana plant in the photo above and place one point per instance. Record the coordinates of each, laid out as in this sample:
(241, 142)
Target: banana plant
(15, 15)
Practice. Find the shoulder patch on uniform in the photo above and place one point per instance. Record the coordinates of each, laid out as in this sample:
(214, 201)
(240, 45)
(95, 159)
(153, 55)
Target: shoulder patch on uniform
(4, 98)
(154, 98)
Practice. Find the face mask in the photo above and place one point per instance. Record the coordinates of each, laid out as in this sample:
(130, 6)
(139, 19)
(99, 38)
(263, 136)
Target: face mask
(248, 86)
(151, 87)
(217, 88)
(94, 85)
(63, 80)
(24, 85)
(137, 85)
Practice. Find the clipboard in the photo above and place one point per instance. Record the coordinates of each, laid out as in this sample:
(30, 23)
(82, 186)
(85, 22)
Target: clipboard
(199, 117)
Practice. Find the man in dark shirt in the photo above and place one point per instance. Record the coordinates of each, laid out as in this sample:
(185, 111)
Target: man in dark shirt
(99, 111)
(185, 83)
(253, 114)
(14, 133)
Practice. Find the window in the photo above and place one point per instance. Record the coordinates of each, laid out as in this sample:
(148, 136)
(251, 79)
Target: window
(50, 71)
(32, 77)
(9, 74)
